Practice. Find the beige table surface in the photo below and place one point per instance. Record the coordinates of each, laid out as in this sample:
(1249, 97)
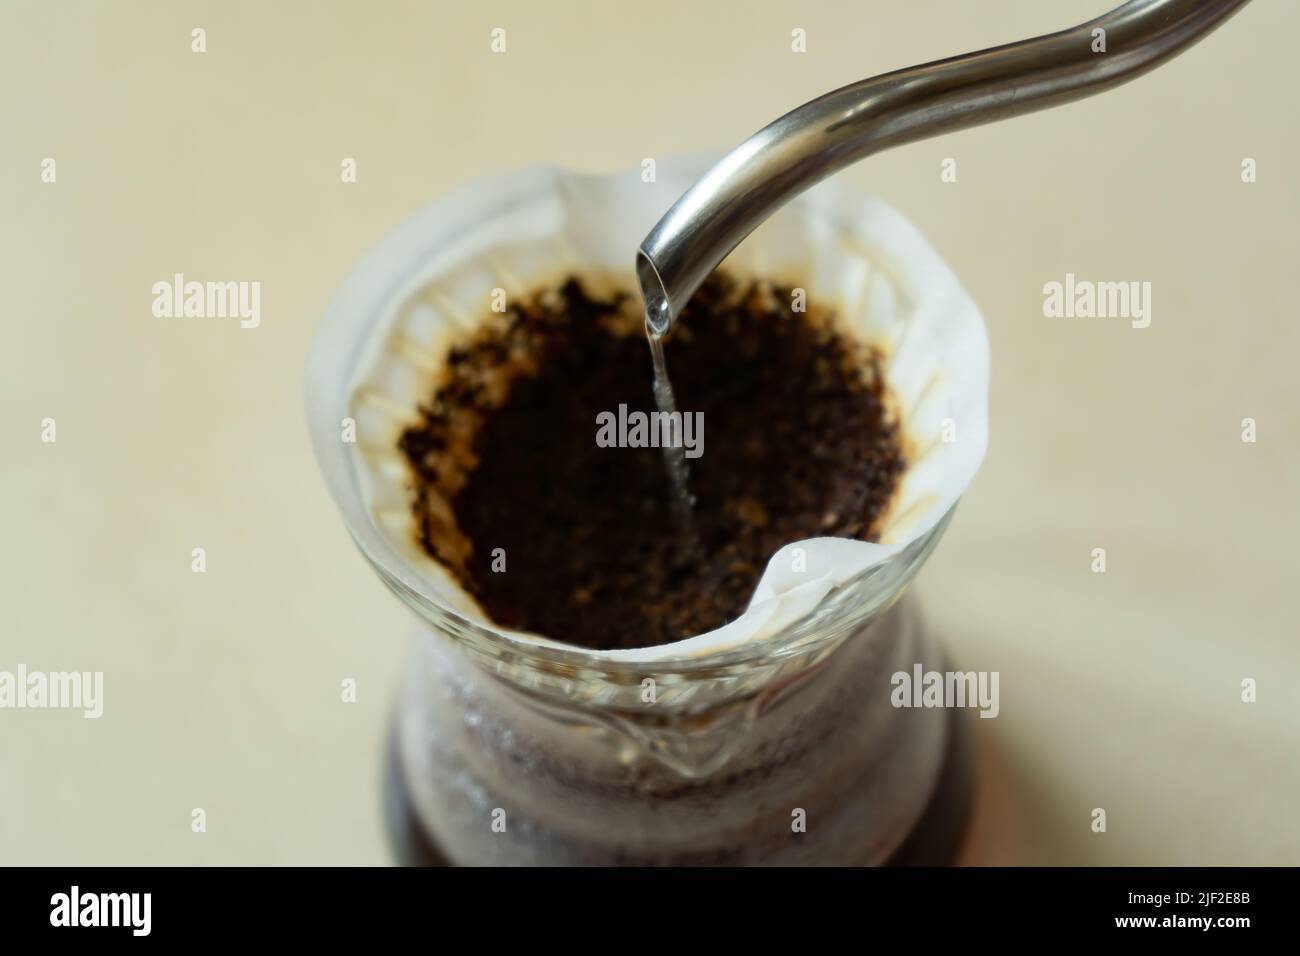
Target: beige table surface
(1119, 690)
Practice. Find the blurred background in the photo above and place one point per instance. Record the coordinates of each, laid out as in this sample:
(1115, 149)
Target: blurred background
(1119, 690)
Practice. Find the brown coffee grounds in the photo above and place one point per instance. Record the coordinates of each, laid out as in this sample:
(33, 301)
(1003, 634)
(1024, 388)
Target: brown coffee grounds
(798, 443)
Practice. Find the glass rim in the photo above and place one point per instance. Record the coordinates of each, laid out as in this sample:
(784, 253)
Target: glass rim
(794, 639)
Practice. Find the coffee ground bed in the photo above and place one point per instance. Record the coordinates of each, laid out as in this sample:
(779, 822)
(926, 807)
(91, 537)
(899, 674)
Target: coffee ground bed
(556, 535)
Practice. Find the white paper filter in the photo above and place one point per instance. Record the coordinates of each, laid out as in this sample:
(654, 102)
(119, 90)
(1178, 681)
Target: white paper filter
(524, 230)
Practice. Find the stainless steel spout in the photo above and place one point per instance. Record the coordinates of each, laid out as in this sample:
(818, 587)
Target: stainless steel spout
(823, 136)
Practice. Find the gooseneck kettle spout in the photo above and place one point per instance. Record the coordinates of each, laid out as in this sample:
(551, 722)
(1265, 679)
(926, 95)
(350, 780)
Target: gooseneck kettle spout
(823, 136)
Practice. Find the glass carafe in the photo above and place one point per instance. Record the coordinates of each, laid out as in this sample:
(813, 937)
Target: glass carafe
(782, 748)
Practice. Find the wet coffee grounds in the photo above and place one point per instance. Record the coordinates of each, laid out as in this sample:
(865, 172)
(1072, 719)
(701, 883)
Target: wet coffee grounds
(556, 535)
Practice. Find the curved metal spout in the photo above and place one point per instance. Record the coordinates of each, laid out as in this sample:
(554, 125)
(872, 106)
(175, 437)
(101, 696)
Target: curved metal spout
(822, 137)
